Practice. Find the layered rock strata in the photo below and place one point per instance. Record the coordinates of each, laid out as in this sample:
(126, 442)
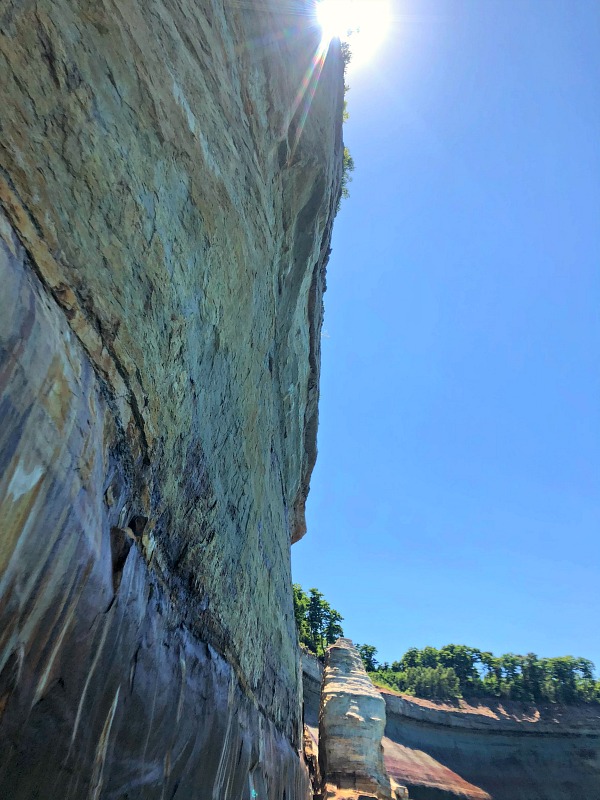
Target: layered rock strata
(427, 778)
(351, 726)
(508, 752)
(169, 173)
(312, 675)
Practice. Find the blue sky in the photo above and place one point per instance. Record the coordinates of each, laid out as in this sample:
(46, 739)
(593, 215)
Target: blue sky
(456, 496)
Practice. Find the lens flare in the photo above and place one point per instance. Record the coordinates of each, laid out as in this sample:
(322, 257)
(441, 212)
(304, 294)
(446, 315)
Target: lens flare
(362, 23)
(334, 17)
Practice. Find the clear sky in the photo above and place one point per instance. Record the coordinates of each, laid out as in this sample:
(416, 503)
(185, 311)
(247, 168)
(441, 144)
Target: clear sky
(456, 496)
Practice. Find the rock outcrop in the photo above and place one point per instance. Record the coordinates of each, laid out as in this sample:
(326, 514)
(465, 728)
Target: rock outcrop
(351, 726)
(169, 173)
(503, 751)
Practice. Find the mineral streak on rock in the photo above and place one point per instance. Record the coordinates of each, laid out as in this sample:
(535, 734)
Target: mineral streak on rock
(169, 173)
(351, 726)
(427, 778)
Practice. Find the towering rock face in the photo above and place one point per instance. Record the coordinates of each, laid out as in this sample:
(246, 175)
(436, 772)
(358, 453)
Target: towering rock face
(168, 177)
(351, 726)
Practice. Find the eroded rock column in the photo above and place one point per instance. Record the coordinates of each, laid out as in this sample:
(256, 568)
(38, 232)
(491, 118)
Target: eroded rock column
(351, 726)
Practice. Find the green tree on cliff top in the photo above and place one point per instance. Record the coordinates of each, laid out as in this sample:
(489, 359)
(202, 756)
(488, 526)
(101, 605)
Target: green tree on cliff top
(318, 624)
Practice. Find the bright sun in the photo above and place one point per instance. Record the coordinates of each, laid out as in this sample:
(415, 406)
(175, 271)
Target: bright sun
(362, 23)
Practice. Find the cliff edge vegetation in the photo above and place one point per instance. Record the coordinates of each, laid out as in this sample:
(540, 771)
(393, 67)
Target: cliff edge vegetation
(317, 623)
(453, 671)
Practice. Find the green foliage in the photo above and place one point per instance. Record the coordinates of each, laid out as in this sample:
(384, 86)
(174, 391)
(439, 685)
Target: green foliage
(348, 168)
(434, 683)
(317, 622)
(348, 161)
(345, 113)
(301, 601)
(346, 55)
(456, 670)
(367, 653)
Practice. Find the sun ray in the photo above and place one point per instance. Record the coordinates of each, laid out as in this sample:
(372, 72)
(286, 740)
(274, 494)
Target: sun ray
(306, 90)
(364, 24)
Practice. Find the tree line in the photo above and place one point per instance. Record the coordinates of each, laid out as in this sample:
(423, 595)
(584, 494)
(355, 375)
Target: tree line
(453, 671)
(456, 671)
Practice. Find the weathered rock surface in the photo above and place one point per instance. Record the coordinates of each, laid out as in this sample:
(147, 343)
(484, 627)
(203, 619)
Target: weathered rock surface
(427, 778)
(312, 678)
(104, 691)
(351, 725)
(312, 675)
(546, 753)
(167, 193)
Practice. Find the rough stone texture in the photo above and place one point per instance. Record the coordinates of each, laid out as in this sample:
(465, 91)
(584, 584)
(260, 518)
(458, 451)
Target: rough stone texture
(351, 725)
(104, 692)
(474, 753)
(517, 753)
(168, 197)
(312, 677)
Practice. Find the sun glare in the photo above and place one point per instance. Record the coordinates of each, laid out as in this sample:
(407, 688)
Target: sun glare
(362, 23)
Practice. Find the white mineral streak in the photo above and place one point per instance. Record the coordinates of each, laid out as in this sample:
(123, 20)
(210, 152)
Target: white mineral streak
(23, 481)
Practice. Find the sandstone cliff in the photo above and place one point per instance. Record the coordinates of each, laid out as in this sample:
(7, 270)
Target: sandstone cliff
(169, 172)
(508, 753)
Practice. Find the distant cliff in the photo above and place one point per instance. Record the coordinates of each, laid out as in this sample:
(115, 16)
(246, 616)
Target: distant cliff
(510, 751)
(169, 172)
(482, 752)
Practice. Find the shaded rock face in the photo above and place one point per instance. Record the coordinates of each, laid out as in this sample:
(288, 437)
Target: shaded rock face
(312, 677)
(351, 725)
(428, 779)
(553, 754)
(104, 691)
(167, 197)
